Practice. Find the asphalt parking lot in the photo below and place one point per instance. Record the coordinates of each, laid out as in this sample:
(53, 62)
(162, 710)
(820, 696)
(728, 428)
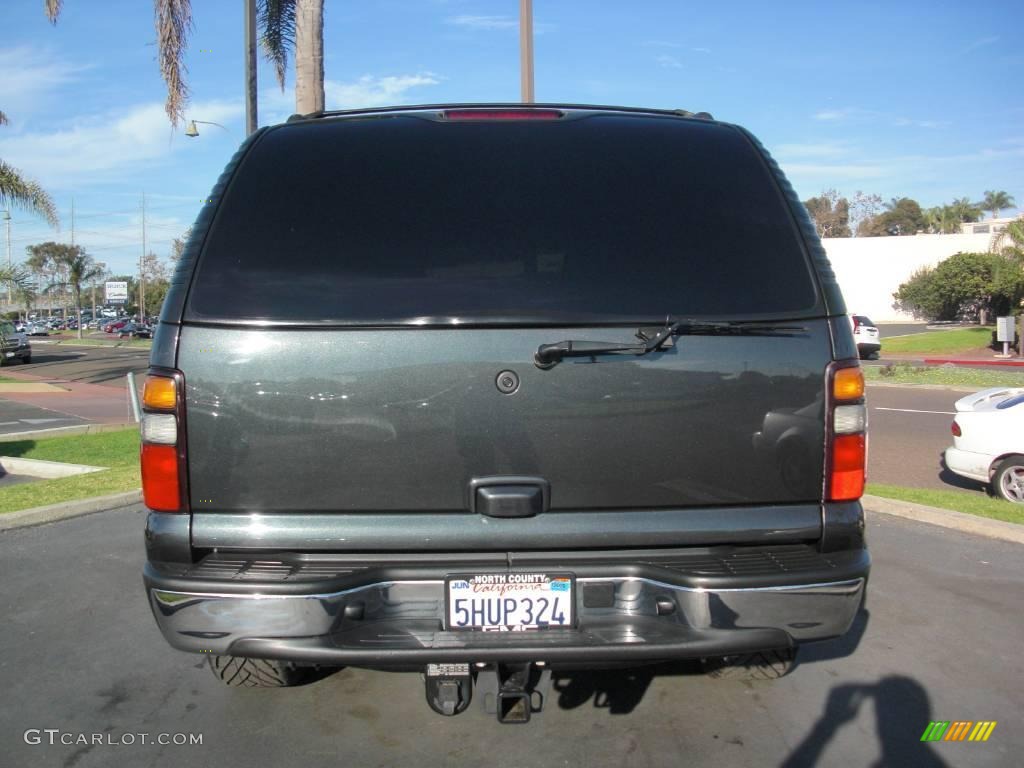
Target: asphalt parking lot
(908, 431)
(938, 639)
(92, 365)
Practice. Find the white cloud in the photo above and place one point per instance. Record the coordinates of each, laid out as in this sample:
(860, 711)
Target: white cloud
(701, 50)
(102, 147)
(833, 172)
(980, 43)
(484, 22)
(370, 91)
(30, 75)
(366, 91)
(812, 150)
(835, 115)
(907, 121)
(669, 62)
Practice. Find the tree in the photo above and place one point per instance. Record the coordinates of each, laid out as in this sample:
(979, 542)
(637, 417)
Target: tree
(964, 210)
(1010, 242)
(178, 245)
(68, 266)
(996, 201)
(830, 214)
(966, 285)
(902, 216)
(26, 295)
(18, 192)
(285, 26)
(80, 269)
(48, 260)
(862, 208)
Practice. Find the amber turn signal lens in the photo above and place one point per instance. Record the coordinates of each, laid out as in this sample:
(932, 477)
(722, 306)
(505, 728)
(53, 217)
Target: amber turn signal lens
(848, 384)
(159, 393)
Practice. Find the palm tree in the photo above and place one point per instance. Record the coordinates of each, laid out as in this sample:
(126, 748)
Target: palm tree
(965, 210)
(78, 268)
(1010, 242)
(285, 25)
(995, 202)
(18, 192)
(26, 296)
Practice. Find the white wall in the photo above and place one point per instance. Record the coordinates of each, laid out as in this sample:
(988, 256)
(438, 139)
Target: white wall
(870, 269)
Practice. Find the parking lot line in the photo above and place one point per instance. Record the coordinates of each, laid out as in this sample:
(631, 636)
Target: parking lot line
(913, 410)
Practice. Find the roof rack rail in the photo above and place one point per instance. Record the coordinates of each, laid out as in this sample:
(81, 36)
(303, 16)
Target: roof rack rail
(421, 107)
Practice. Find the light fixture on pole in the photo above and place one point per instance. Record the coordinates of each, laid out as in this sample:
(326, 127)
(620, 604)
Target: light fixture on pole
(192, 131)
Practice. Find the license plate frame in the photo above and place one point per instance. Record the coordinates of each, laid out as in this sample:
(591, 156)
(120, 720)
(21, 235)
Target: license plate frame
(513, 583)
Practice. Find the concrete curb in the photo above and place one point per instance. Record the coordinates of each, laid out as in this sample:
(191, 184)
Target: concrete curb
(54, 512)
(77, 429)
(946, 518)
(871, 383)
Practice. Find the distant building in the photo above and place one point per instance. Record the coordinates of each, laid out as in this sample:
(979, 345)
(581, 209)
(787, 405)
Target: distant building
(988, 226)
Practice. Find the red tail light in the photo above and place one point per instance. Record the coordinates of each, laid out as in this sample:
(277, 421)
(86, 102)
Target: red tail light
(502, 114)
(160, 481)
(162, 453)
(955, 429)
(846, 444)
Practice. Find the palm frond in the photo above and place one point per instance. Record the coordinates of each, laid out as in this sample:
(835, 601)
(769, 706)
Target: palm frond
(173, 26)
(277, 20)
(3, 119)
(52, 9)
(19, 192)
(16, 277)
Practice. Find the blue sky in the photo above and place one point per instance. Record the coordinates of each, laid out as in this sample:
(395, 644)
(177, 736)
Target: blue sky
(896, 98)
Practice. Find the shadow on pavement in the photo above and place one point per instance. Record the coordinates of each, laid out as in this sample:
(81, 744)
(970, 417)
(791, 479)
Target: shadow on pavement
(621, 690)
(902, 712)
(957, 481)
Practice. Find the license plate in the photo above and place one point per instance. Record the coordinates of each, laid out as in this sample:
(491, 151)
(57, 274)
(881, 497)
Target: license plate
(509, 601)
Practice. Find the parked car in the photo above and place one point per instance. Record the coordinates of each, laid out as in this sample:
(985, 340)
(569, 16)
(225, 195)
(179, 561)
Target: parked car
(115, 326)
(134, 329)
(988, 441)
(866, 335)
(14, 344)
(417, 433)
(37, 329)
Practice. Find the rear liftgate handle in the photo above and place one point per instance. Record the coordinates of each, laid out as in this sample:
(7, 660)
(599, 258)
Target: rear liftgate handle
(509, 496)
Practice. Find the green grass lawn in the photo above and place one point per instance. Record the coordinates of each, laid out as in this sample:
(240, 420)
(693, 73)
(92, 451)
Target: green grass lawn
(905, 373)
(118, 450)
(970, 502)
(9, 380)
(940, 342)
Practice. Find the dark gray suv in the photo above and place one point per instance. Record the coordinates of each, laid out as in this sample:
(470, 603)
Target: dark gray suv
(488, 390)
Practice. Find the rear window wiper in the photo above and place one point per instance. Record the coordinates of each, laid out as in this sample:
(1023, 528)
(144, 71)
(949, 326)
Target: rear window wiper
(652, 339)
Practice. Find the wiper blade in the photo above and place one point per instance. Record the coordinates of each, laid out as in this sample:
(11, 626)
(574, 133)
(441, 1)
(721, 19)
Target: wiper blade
(652, 339)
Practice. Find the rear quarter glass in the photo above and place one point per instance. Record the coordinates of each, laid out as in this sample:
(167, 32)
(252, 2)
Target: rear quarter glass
(404, 220)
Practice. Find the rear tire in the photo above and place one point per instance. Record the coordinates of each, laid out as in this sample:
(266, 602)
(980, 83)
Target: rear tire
(763, 665)
(1008, 481)
(238, 672)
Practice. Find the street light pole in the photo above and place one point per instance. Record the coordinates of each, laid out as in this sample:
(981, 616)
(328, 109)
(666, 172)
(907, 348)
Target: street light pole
(7, 221)
(526, 50)
(250, 67)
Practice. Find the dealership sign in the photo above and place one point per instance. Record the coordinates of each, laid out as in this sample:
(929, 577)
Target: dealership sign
(117, 293)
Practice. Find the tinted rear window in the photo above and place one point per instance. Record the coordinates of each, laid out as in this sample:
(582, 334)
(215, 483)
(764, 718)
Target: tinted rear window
(863, 320)
(407, 220)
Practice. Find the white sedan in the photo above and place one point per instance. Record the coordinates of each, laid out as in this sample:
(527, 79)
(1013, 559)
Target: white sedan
(988, 440)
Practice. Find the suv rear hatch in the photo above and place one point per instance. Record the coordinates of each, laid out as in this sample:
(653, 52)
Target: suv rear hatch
(365, 284)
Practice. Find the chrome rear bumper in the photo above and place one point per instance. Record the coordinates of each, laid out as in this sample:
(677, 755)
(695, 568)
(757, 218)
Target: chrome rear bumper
(402, 621)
